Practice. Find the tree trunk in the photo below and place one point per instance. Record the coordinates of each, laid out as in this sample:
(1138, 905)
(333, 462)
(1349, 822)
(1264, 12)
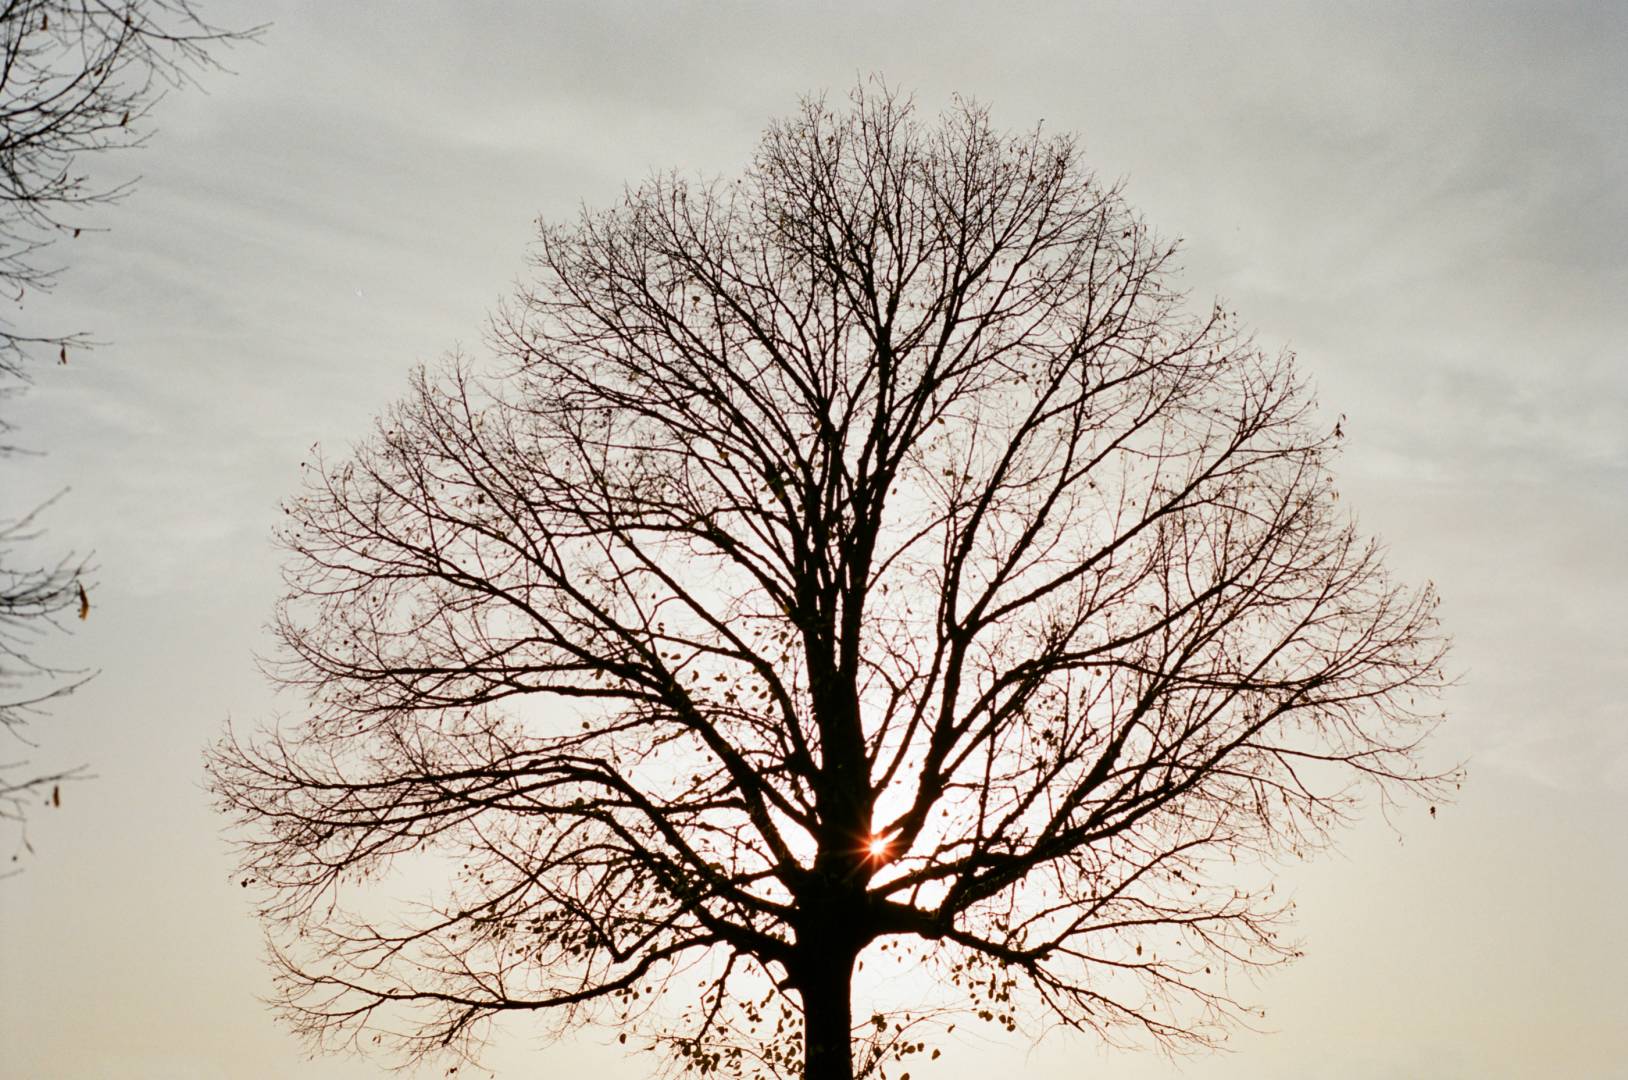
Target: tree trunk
(828, 1018)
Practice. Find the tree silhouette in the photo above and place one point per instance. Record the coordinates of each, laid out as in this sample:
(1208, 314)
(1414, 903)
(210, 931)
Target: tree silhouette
(77, 77)
(868, 555)
(32, 600)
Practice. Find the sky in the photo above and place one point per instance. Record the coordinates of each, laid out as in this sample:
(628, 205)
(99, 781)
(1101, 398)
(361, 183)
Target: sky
(1428, 203)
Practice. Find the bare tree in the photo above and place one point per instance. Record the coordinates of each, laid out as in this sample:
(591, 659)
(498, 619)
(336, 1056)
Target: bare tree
(31, 601)
(77, 77)
(866, 556)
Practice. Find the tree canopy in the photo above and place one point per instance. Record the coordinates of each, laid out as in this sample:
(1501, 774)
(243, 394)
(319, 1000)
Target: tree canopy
(870, 556)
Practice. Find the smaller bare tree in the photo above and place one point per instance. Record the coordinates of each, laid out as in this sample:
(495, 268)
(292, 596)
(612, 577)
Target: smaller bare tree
(33, 598)
(77, 77)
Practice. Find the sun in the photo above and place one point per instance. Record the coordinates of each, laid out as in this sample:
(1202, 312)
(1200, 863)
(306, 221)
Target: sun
(877, 847)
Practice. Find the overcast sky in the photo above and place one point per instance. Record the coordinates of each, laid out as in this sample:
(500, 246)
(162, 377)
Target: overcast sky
(1428, 203)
